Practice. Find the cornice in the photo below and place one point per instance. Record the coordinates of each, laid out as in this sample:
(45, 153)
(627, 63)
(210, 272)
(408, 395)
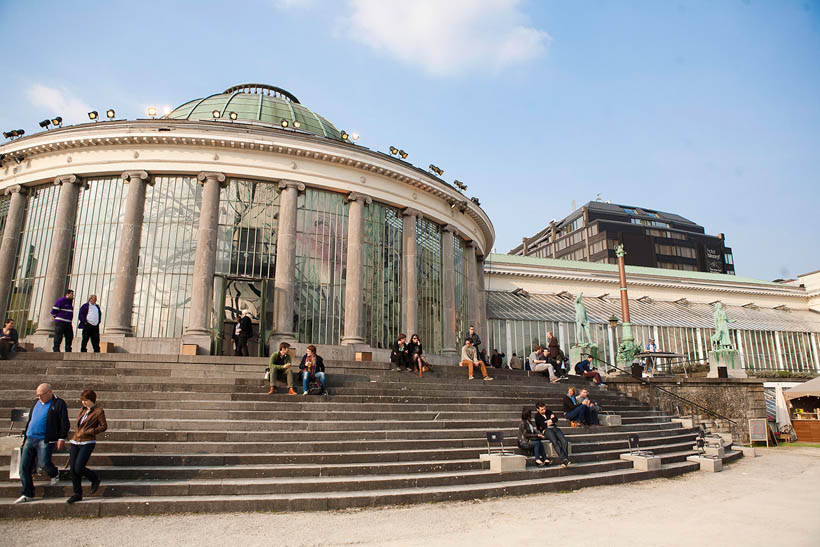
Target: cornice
(241, 136)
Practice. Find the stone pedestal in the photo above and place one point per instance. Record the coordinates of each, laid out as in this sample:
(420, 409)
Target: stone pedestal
(711, 465)
(505, 463)
(610, 420)
(716, 451)
(725, 357)
(550, 450)
(643, 463)
(577, 350)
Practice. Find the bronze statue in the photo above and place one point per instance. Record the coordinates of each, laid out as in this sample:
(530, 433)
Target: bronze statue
(721, 337)
(581, 321)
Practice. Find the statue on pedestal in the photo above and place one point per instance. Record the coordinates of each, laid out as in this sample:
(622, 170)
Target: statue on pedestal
(721, 337)
(723, 353)
(581, 321)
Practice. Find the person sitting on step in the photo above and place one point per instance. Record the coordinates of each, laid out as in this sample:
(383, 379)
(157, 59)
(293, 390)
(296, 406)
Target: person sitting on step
(584, 368)
(547, 424)
(470, 359)
(574, 411)
(414, 352)
(529, 439)
(312, 367)
(281, 369)
(593, 407)
(398, 353)
(538, 363)
(514, 362)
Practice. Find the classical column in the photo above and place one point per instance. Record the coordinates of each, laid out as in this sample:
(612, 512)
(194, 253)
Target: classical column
(285, 276)
(199, 328)
(448, 282)
(121, 301)
(472, 285)
(354, 282)
(481, 312)
(11, 240)
(60, 251)
(410, 271)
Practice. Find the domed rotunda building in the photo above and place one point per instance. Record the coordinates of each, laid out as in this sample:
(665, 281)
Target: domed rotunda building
(242, 200)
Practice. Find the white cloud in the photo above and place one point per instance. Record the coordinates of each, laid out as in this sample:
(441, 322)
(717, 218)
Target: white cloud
(58, 102)
(448, 37)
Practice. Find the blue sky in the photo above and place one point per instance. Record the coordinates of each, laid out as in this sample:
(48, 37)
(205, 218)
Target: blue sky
(706, 109)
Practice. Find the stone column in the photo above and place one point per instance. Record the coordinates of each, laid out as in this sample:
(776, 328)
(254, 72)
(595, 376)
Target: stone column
(448, 282)
(120, 308)
(472, 286)
(481, 313)
(11, 242)
(354, 283)
(285, 276)
(199, 328)
(410, 271)
(60, 253)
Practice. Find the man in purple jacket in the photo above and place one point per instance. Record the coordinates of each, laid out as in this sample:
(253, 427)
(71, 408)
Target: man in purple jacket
(63, 313)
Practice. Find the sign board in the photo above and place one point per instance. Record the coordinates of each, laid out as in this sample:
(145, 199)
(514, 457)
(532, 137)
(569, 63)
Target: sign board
(759, 430)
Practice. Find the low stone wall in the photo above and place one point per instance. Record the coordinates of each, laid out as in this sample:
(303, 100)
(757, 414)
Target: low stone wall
(739, 399)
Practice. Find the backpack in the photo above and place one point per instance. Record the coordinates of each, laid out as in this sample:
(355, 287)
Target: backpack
(314, 388)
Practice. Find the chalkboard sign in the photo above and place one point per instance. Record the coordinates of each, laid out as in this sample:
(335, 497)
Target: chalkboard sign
(759, 430)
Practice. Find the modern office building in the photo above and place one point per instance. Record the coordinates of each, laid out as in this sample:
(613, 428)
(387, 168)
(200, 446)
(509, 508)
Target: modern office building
(653, 238)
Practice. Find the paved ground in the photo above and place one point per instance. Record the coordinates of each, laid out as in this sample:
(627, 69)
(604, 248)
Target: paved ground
(746, 504)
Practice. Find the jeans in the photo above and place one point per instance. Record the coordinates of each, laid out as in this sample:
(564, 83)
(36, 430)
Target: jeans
(578, 414)
(536, 447)
(556, 437)
(34, 451)
(592, 415)
(63, 329)
(77, 461)
(91, 332)
(242, 346)
(306, 379)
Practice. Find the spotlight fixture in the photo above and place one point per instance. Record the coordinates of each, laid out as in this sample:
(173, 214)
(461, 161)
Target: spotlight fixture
(354, 136)
(57, 121)
(462, 207)
(394, 150)
(19, 159)
(297, 124)
(93, 115)
(436, 170)
(7, 134)
(284, 123)
(110, 113)
(475, 200)
(233, 115)
(345, 136)
(45, 123)
(460, 185)
(216, 114)
(152, 111)
(403, 154)
(452, 203)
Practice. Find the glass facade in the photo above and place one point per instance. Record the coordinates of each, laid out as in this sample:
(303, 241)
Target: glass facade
(5, 201)
(321, 262)
(461, 298)
(32, 258)
(165, 273)
(428, 239)
(382, 274)
(100, 209)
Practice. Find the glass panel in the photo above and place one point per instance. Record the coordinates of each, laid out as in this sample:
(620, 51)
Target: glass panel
(100, 211)
(382, 275)
(428, 239)
(26, 294)
(321, 261)
(165, 274)
(460, 290)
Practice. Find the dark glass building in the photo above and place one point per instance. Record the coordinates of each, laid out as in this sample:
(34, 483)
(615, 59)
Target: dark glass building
(651, 238)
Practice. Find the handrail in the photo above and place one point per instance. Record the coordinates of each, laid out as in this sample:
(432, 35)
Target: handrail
(684, 399)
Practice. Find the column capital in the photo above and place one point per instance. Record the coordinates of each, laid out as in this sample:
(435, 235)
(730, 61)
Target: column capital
(356, 196)
(410, 212)
(16, 189)
(210, 175)
(470, 243)
(128, 176)
(449, 228)
(285, 184)
(67, 179)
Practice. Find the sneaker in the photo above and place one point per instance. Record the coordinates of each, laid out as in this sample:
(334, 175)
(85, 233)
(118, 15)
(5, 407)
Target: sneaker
(471, 378)
(54, 480)
(292, 391)
(488, 379)
(539, 462)
(74, 498)
(95, 486)
(305, 392)
(23, 499)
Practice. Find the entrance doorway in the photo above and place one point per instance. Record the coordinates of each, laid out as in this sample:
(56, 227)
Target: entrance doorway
(237, 296)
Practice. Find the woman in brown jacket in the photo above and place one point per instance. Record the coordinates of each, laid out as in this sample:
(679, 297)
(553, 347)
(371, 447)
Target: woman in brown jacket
(90, 423)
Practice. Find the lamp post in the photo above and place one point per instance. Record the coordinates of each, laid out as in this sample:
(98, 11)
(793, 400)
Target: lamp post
(627, 348)
(613, 326)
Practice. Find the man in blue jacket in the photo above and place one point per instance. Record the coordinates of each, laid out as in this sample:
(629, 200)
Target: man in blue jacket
(88, 320)
(47, 425)
(63, 314)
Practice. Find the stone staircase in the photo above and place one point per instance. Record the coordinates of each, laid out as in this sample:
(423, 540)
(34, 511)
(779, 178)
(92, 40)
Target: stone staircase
(200, 434)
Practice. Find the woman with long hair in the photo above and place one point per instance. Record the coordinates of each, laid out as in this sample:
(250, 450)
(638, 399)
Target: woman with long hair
(90, 423)
(529, 440)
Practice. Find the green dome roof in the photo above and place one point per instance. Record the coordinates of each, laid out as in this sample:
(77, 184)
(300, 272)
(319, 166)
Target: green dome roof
(259, 103)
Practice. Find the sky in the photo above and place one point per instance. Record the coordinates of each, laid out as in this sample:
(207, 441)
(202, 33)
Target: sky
(710, 109)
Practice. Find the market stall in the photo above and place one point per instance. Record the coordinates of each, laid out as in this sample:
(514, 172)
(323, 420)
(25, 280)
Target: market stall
(805, 410)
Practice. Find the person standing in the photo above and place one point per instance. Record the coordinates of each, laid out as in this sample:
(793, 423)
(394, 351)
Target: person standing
(649, 361)
(469, 359)
(63, 314)
(47, 425)
(474, 339)
(90, 423)
(88, 320)
(280, 367)
(245, 334)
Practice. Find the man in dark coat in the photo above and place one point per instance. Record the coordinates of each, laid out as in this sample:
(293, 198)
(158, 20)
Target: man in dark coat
(245, 333)
(88, 321)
